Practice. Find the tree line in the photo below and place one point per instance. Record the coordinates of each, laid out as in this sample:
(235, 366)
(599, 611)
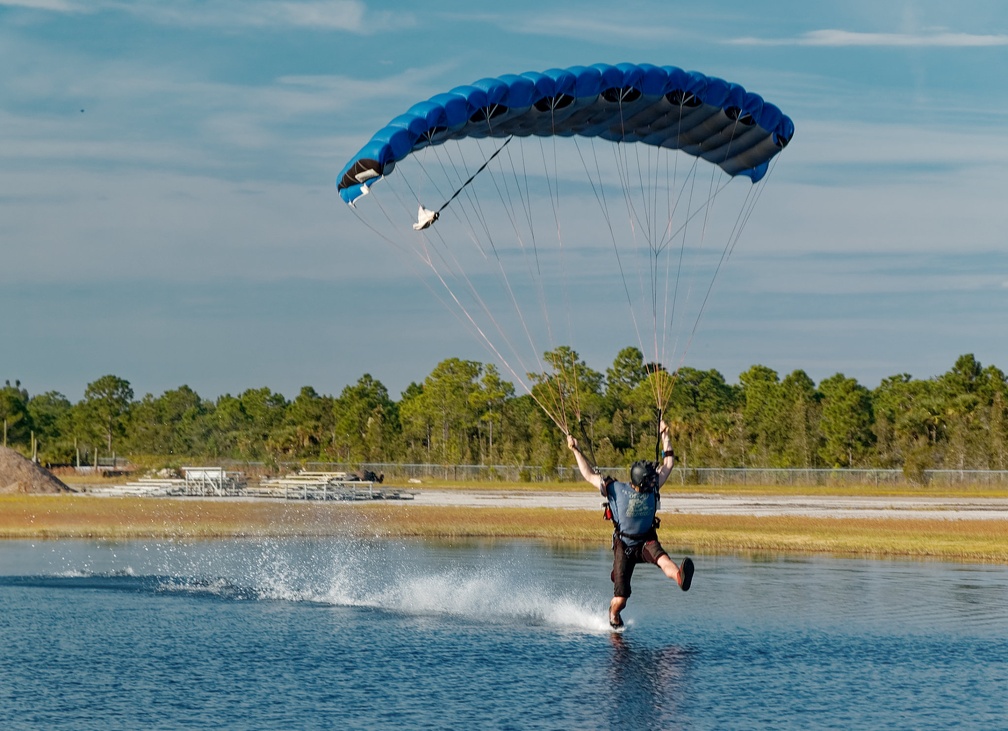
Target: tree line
(464, 412)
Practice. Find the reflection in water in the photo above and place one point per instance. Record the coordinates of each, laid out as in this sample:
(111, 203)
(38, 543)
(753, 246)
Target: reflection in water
(647, 687)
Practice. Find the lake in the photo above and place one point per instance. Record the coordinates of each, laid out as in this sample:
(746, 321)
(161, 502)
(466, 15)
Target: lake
(325, 633)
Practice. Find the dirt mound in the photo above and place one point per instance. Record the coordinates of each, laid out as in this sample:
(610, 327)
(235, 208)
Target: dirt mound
(18, 474)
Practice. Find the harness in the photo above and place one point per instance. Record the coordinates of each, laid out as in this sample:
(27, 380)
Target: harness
(619, 535)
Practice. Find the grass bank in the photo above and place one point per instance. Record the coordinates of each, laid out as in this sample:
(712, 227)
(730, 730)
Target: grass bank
(62, 516)
(838, 489)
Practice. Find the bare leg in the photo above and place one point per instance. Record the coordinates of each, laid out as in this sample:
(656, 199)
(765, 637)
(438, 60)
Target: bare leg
(671, 570)
(668, 566)
(615, 607)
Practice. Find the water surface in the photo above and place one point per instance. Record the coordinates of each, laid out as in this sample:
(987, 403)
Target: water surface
(284, 634)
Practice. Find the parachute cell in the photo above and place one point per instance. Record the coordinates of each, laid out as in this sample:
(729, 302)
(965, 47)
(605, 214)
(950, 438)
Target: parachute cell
(663, 106)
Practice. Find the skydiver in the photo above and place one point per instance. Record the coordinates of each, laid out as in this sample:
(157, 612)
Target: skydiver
(632, 507)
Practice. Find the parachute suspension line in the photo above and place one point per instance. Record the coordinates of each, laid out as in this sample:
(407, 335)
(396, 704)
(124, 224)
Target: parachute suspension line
(661, 397)
(646, 220)
(472, 177)
(681, 229)
(706, 207)
(711, 193)
(660, 248)
(729, 246)
(588, 441)
(658, 449)
(599, 191)
(659, 383)
(424, 256)
(556, 378)
(431, 255)
(656, 249)
(574, 385)
(488, 341)
(505, 197)
(674, 198)
(505, 194)
(746, 210)
(535, 274)
(450, 170)
(532, 262)
(554, 384)
(761, 186)
(633, 220)
(490, 251)
(643, 177)
(489, 344)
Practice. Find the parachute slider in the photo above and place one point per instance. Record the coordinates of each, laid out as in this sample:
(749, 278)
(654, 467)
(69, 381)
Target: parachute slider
(425, 219)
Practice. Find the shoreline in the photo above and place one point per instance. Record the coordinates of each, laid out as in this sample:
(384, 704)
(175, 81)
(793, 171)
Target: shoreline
(973, 530)
(698, 503)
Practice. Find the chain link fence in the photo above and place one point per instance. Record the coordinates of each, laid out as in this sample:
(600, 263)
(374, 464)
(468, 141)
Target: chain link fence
(710, 476)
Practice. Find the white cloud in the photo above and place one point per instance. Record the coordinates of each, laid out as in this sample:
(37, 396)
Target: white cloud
(349, 15)
(59, 6)
(836, 38)
(353, 16)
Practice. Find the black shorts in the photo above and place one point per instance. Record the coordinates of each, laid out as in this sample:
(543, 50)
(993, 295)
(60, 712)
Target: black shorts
(625, 559)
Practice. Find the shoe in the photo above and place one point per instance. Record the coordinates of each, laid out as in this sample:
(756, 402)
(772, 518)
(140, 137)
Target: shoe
(616, 623)
(686, 573)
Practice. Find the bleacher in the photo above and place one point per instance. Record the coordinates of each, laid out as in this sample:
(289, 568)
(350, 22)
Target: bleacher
(305, 485)
(143, 487)
(214, 481)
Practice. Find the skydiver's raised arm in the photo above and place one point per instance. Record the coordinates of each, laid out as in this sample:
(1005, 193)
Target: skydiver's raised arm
(668, 458)
(587, 470)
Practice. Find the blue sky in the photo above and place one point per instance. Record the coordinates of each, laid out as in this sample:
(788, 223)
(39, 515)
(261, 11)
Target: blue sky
(168, 210)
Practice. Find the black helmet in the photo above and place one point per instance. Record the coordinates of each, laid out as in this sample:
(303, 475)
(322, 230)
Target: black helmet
(643, 475)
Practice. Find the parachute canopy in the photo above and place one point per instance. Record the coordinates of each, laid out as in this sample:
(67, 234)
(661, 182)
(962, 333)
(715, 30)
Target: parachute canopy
(592, 205)
(662, 106)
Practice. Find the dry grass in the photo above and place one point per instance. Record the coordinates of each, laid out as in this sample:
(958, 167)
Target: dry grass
(838, 489)
(62, 516)
(974, 540)
(71, 516)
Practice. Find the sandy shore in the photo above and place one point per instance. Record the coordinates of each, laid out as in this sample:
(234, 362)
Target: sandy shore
(957, 508)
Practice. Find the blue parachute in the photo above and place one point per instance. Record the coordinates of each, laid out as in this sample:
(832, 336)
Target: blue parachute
(565, 196)
(662, 106)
